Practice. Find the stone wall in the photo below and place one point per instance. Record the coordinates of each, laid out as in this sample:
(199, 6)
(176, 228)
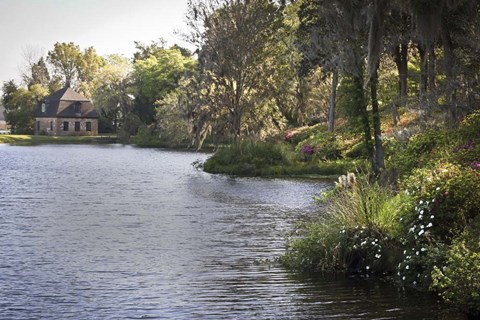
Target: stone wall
(55, 127)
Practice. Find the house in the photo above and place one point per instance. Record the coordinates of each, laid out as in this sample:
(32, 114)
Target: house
(66, 113)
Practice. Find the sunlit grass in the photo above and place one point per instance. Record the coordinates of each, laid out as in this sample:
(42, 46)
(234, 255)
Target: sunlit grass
(31, 139)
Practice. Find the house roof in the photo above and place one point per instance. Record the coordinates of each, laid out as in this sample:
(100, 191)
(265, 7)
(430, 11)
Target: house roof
(66, 103)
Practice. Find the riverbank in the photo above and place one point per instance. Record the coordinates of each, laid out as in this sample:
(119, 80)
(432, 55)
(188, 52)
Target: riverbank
(36, 140)
(418, 223)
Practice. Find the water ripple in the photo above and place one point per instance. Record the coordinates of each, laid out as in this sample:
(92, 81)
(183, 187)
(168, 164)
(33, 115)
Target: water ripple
(114, 232)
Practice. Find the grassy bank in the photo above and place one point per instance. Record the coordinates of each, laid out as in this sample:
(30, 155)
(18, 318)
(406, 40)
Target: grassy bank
(419, 224)
(35, 140)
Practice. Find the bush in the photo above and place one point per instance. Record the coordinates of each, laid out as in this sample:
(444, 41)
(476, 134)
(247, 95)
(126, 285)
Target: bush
(248, 159)
(322, 146)
(146, 137)
(355, 235)
(419, 150)
(444, 201)
(459, 280)
(450, 193)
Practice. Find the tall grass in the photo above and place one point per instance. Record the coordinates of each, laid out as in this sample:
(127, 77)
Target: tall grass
(356, 233)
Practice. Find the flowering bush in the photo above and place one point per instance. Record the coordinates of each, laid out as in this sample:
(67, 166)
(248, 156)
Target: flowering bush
(307, 149)
(446, 200)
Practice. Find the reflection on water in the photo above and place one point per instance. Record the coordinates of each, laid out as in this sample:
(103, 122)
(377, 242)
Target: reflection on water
(90, 232)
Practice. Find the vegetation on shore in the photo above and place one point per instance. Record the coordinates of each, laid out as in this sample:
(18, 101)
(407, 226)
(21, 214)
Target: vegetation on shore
(34, 140)
(422, 231)
(322, 87)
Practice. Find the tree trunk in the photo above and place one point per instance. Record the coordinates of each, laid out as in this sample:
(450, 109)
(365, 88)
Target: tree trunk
(379, 162)
(401, 60)
(300, 101)
(450, 75)
(363, 113)
(431, 80)
(333, 97)
(423, 87)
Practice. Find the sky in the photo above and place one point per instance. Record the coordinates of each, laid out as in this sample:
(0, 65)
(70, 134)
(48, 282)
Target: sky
(110, 26)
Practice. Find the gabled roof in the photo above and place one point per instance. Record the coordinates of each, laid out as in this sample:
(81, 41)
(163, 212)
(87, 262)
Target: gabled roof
(66, 103)
(66, 94)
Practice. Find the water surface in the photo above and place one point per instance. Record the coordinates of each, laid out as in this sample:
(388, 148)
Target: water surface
(113, 232)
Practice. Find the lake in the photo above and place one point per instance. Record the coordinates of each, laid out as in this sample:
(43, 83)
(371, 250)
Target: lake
(117, 232)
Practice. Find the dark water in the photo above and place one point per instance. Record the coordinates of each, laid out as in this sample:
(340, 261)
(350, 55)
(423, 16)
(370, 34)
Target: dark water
(89, 232)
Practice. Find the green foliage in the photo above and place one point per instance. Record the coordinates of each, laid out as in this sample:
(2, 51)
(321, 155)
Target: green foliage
(450, 193)
(146, 137)
(20, 104)
(157, 75)
(356, 233)
(458, 281)
(248, 159)
(443, 202)
(325, 146)
(419, 150)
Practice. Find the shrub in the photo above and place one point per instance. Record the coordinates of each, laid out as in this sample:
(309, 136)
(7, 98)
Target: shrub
(356, 234)
(147, 137)
(419, 150)
(458, 281)
(322, 144)
(450, 193)
(248, 158)
(444, 201)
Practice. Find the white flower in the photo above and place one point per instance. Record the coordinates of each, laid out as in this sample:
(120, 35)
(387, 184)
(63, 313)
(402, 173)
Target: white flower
(432, 216)
(421, 232)
(438, 189)
(420, 216)
(421, 227)
(404, 251)
(433, 200)
(421, 202)
(423, 249)
(421, 212)
(430, 225)
(367, 267)
(407, 267)
(414, 282)
(403, 278)
(417, 253)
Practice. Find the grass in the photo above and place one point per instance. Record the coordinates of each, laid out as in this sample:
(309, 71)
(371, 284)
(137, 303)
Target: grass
(34, 140)
(273, 159)
(356, 234)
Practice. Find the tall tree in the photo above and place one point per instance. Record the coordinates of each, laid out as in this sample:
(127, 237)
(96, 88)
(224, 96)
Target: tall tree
(233, 38)
(113, 95)
(66, 59)
(20, 104)
(156, 76)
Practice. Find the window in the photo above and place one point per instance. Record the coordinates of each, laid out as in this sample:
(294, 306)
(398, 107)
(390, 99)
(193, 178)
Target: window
(38, 126)
(89, 126)
(44, 107)
(51, 125)
(77, 126)
(77, 107)
(65, 126)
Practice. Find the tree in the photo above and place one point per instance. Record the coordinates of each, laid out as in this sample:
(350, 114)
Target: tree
(234, 40)
(40, 74)
(20, 104)
(156, 76)
(66, 59)
(113, 95)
